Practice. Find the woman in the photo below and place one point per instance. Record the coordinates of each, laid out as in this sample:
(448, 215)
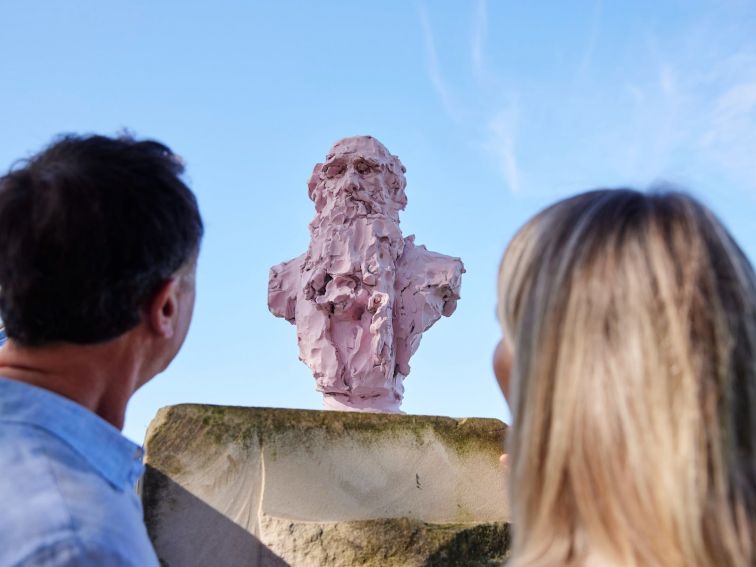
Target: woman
(629, 362)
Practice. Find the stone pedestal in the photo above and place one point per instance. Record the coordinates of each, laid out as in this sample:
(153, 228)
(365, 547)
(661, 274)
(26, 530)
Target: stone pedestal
(249, 486)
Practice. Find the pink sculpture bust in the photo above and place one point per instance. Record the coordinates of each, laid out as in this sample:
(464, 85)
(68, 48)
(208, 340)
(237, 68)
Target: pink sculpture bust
(362, 295)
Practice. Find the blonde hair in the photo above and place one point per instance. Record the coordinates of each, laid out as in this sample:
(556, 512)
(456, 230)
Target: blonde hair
(632, 318)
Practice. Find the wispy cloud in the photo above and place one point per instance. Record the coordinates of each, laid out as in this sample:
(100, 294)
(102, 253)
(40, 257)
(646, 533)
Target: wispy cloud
(681, 107)
(731, 113)
(480, 26)
(667, 81)
(587, 58)
(494, 128)
(434, 67)
(731, 134)
(502, 130)
(500, 124)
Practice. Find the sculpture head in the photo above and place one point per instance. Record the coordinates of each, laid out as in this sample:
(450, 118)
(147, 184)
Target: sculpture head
(359, 169)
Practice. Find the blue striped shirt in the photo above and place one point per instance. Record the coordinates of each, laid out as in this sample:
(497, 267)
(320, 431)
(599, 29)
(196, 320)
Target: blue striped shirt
(68, 485)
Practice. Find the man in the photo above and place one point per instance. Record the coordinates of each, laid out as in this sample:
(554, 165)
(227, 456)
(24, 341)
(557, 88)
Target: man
(98, 247)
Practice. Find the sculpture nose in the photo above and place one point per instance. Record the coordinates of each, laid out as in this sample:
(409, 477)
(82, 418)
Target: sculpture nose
(351, 181)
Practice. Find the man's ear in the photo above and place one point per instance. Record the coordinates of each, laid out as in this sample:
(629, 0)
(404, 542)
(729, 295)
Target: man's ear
(163, 309)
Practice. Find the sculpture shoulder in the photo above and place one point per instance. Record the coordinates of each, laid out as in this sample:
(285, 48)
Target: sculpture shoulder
(434, 277)
(295, 264)
(417, 263)
(283, 287)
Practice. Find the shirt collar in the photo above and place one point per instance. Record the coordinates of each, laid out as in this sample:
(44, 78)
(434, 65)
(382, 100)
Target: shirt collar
(113, 456)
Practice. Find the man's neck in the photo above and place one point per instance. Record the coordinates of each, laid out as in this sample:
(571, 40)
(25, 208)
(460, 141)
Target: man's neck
(100, 377)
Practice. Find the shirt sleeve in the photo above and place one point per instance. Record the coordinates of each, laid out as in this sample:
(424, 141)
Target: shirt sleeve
(74, 553)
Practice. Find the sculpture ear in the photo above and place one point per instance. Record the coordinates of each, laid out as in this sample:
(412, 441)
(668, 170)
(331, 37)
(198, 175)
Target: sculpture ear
(313, 182)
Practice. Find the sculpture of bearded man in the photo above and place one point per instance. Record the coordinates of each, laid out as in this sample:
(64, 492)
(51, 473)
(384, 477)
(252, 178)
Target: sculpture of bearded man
(362, 295)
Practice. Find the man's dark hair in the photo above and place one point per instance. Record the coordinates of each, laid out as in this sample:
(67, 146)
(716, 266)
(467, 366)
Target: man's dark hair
(90, 228)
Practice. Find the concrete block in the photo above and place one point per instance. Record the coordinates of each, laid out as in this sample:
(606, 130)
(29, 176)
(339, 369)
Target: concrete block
(257, 486)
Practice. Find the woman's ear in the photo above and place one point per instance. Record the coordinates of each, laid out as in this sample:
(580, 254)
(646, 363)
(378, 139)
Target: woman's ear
(163, 309)
(502, 364)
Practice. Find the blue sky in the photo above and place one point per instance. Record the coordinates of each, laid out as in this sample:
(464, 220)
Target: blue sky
(496, 109)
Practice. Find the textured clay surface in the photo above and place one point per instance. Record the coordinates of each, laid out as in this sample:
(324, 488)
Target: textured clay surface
(362, 295)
